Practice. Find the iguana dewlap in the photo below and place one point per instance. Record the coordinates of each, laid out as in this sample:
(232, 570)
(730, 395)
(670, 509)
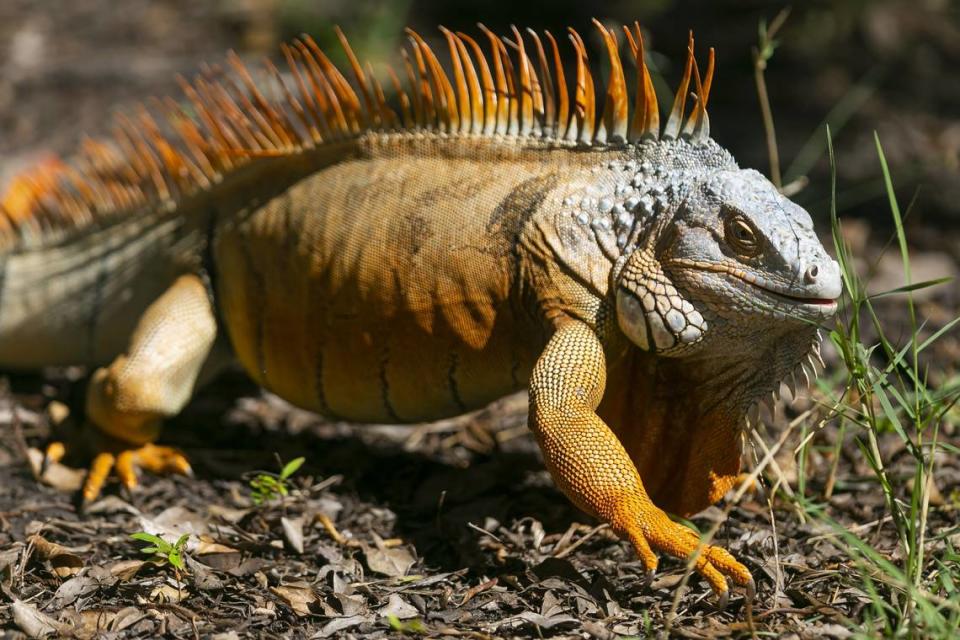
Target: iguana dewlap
(407, 260)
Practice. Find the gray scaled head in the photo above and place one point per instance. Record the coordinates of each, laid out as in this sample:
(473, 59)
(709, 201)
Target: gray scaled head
(731, 266)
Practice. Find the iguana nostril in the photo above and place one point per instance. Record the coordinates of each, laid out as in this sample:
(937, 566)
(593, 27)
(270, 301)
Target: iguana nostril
(811, 275)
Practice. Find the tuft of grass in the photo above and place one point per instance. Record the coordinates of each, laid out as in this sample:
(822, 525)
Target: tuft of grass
(162, 551)
(885, 390)
(266, 486)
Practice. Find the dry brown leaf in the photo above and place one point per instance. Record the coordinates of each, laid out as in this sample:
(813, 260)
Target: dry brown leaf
(169, 593)
(339, 624)
(125, 569)
(65, 562)
(111, 504)
(399, 608)
(33, 622)
(74, 588)
(297, 598)
(98, 623)
(9, 557)
(204, 579)
(389, 562)
(226, 513)
(205, 546)
(293, 533)
(545, 622)
(56, 475)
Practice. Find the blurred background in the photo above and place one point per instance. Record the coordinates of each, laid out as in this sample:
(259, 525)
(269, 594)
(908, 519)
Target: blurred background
(888, 66)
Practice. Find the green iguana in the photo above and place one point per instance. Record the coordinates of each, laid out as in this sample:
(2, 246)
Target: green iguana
(412, 258)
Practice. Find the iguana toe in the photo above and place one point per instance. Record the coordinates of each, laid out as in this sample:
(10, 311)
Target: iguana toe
(53, 454)
(97, 476)
(715, 564)
(127, 463)
(158, 459)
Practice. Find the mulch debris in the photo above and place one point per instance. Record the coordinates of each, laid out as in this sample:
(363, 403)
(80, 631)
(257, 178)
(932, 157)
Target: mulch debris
(451, 529)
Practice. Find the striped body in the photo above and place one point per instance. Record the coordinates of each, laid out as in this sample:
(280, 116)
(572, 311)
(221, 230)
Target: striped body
(76, 301)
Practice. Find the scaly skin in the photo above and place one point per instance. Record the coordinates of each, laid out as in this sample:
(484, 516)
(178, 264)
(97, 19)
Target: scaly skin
(647, 293)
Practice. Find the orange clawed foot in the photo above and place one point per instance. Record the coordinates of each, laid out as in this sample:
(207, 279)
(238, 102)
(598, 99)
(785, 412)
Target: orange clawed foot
(657, 533)
(126, 462)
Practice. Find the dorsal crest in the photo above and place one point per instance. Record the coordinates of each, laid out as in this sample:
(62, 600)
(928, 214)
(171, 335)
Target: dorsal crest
(511, 87)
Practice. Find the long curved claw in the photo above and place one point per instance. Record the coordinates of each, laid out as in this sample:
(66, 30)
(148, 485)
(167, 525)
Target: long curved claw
(159, 459)
(152, 458)
(722, 599)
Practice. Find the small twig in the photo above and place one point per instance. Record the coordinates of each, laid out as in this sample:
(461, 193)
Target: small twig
(182, 612)
(563, 553)
(480, 588)
(330, 528)
(484, 531)
(568, 535)
(761, 55)
(779, 581)
(781, 477)
(327, 483)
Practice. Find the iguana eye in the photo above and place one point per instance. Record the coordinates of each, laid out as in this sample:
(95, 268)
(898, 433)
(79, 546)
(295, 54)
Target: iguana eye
(741, 236)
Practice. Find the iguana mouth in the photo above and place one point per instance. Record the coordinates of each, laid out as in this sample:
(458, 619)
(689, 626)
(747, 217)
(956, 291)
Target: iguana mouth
(822, 308)
(759, 283)
(819, 302)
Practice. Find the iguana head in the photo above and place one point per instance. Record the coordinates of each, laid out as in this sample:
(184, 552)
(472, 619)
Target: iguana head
(727, 268)
(745, 251)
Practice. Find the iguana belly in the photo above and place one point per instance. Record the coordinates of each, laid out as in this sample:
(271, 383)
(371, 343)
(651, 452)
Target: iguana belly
(381, 291)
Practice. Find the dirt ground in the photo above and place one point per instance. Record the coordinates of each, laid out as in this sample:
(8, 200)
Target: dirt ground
(455, 529)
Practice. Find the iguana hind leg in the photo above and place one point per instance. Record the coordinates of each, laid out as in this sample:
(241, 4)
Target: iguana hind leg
(152, 380)
(591, 466)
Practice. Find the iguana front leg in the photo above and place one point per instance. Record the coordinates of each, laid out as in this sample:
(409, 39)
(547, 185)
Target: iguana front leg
(151, 381)
(592, 468)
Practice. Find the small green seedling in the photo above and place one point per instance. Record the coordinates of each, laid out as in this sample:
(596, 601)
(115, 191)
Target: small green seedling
(267, 486)
(162, 551)
(413, 627)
